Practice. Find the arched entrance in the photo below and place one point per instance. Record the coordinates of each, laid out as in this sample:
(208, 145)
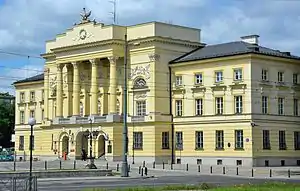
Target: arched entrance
(81, 143)
(65, 145)
(101, 146)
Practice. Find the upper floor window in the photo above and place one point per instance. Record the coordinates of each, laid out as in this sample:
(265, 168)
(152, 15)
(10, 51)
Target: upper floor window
(280, 76)
(264, 75)
(118, 109)
(238, 104)
(178, 81)
(22, 97)
(199, 139)
(81, 109)
(165, 140)
(296, 140)
(219, 76)
(43, 95)
(238, 74)
(199, 106)
(295, 78)
(141, 108)
(219, 105)
(179, 140)
(264, 105)
(219, 139)
(32, 114)
(198, 79)
(266, 139)
(32, 96)
(21, 143)
(239, 139)
(137, 140)
(22, 117)
(282, 141)
(99, 107)
(296, 102)
(280, 106)
(178, 107)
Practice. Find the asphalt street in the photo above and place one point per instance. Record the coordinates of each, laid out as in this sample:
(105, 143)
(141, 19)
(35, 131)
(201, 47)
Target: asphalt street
(78, 184)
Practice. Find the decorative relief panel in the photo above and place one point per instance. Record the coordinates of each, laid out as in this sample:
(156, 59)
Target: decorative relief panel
(52, 85)
(140, 71)
(139, 83)
(154, 57)
(140, 95)
(82, 35)
(65, 80)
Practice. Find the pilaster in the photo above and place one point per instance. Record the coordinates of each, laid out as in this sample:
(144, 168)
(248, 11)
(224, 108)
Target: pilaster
(76, 89)
(46, 94)
(59, 93)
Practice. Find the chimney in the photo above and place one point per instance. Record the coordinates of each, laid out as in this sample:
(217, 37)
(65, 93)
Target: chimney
(251, 39)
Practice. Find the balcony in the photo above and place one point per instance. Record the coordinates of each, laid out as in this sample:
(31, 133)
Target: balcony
(85, 120)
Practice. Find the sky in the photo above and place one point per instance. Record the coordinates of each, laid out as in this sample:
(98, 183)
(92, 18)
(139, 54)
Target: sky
(25, 25)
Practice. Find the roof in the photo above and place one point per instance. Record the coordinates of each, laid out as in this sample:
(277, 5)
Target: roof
(38, 77)
(230, 49)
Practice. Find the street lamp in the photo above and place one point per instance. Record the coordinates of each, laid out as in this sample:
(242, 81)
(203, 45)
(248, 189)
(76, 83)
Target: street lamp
(31, 122)
(91, 165)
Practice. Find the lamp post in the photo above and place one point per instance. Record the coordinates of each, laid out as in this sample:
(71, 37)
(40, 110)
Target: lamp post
(91, 165)
(31, 122)
(125, 128)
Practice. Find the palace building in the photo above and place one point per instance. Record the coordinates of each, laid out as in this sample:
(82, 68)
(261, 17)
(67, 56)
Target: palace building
(235, 103)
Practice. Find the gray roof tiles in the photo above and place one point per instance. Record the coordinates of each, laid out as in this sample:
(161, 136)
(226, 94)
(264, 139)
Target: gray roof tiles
(31, 79)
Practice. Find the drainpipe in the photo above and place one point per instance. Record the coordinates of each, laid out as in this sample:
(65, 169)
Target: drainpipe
(171, 114)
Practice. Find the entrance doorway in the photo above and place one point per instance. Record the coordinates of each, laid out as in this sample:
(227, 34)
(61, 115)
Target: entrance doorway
(65, 145)
(81, 143)
(101, 146)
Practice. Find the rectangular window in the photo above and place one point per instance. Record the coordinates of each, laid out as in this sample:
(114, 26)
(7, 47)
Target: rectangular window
(165, 140)
(264, 75)
(32, 114)
(199, 140)
(238, 104)
(297, 140)
(266, 139)
(141, 108)
(22, 97)
(219, 105)
(295, 78)
(21, 143)
(280, 76)
(219, 76)
(264, 105)
(178, 80)
(199, 106)
(43, 114)
(282, 142)
(32, 96)
(296, 102)
(43, 95)
(239, 139)
(238, 74)
(32, 142)
(198, 79)
(179, 140)
(22, 117)
(178, 107)
(137, 140)
(280, 106)
(219, 140)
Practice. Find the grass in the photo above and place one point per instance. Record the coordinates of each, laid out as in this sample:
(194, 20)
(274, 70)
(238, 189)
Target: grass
(248, 187)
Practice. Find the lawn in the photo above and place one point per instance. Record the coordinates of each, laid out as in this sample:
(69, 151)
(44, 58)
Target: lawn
(248, 187)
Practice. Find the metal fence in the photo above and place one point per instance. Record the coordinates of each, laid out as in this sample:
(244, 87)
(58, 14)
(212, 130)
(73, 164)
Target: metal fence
(18, 184)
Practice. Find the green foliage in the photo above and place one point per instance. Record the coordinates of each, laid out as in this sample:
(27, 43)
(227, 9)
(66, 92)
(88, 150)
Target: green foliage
(7, 122)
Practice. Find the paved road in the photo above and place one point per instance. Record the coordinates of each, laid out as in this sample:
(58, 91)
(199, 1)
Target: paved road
(77, 184)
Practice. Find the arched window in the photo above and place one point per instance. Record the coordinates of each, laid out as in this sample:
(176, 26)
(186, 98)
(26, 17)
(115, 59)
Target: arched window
(81, 109)
(118, 107)
(99, 107)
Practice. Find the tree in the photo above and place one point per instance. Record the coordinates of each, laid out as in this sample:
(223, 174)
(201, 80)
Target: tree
(7, 122)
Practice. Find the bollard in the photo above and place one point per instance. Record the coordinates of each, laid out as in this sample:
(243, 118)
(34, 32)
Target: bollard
(142, 173)
(107, 166)
(252, 173)
(224, 170)
(163, 165)
(60, 164)
(140, 169)
(146, 171)
(171, 166)
(143, 163)
(237, 170)
(211, 170)
(118, 167)
(289, 173)
(74, 165)
(45, 165)
(153, 164)
(199, 169)
(14, 165)
(270, 172)
(187, 167)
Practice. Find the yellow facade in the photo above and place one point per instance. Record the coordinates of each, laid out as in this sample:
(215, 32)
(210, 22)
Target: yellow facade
(219, 116)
